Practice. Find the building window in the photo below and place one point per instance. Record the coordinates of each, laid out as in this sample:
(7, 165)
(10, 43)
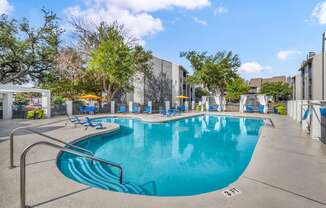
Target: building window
(309, 82)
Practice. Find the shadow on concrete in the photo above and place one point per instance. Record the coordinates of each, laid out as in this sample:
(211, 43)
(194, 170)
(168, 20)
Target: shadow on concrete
(60, 197)
(38, 162)
(7, 126)
(21, 132)
(17, 165)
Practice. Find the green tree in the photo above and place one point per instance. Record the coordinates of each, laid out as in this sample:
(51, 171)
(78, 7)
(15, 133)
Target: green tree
(279, 90)
(235, 89)
(57, 100)
(213, 71)
(115, 61)
(70, 77)
(21, 99)
(27, 53)
(199, 92)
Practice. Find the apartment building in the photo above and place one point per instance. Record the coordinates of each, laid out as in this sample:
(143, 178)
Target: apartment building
(166, 81)
(308, 83)
(256, 83)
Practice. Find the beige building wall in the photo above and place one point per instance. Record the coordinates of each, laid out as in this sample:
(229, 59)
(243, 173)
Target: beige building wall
(317, 77)
(175, 82)
(138, 92)
(298, 87)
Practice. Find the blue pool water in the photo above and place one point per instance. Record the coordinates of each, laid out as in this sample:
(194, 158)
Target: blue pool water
(178, 158)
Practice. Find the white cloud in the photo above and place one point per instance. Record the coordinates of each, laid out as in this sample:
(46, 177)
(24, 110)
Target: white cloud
(135, 15)
(253, 67)
(5, 7)
(199, 21)
(139, 25)
(319, 13)
(284, 55)
(220, 10)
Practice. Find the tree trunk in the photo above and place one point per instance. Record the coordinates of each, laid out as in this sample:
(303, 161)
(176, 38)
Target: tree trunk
(110, 93)
(108, 96)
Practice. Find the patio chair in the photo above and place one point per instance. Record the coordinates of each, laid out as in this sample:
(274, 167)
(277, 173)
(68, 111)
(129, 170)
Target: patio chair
(122, 109)
(82, 109)
(163, 112)
(78, 121)
(135, 109)
(261, 108)
(171, 112)
(90, 123)
(72, 120)
(181, 108)
(213, 108)
(147, 109)
(249, 108)
(90, 109)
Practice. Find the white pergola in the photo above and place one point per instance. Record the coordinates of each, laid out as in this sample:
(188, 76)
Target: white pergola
(7, 90)
(262, 99)
(219, 100)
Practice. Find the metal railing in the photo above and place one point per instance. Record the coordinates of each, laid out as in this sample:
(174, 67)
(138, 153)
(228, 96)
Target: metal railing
(12, 133)
(23, 166)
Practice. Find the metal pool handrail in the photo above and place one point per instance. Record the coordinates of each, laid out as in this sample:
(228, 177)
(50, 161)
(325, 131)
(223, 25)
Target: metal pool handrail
(12, 133)
(23, 166)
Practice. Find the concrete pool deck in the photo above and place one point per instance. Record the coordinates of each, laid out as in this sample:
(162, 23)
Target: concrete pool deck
(288, 169)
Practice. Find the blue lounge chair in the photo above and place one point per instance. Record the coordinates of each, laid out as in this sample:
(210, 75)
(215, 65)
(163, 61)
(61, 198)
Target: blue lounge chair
(163, 112)
(90, 123)
(72, 119)
(122, 109)
(82, 109)
(213, 108)
(181, 108)
(75, 120)
(261, 108)
(147, 109)
(78, 121)
(90, 109)
(171, 112)
(134, 109)
(249, 109)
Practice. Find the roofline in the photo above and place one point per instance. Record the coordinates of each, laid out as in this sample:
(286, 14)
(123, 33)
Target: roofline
(182, 67)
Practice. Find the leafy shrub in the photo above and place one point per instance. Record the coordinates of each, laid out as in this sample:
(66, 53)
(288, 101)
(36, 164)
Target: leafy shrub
(30, 114)
(36, 114)
(197, 107)
(58, 100)
(21, 99)
(280, 108)
(40, 113)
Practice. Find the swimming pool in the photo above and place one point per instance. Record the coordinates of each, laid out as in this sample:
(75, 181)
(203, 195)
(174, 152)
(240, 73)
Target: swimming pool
(177, 158)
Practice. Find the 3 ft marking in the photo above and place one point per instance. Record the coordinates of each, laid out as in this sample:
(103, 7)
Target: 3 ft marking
(231, 192)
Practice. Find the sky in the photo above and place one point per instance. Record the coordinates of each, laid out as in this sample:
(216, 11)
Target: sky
(272, 37)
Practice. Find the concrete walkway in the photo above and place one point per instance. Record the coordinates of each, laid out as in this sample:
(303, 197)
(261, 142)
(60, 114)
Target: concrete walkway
(287, 170)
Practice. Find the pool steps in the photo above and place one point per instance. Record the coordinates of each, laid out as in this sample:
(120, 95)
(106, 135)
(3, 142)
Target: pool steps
(94, 174)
